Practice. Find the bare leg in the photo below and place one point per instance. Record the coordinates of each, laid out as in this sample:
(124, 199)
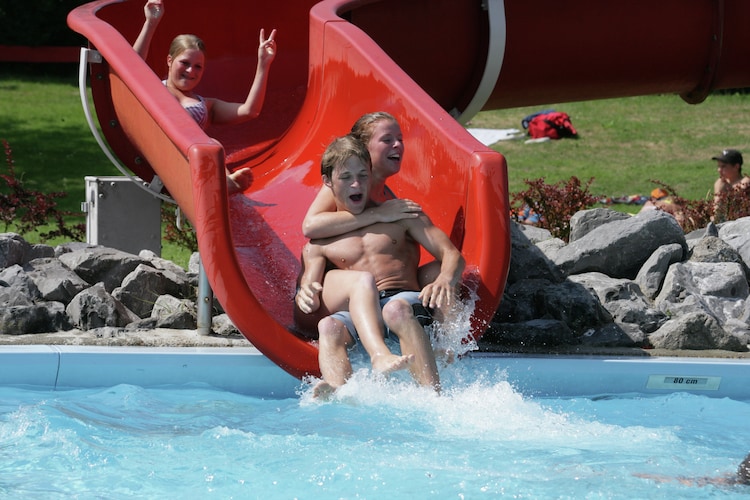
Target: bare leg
(399, 317)
(333, 357)
(364, 307)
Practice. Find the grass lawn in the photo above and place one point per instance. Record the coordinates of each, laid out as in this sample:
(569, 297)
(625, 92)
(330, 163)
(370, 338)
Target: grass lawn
(626, 143)
(623, 144)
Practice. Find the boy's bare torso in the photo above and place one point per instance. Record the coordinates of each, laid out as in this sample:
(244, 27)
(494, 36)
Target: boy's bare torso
(386, 250)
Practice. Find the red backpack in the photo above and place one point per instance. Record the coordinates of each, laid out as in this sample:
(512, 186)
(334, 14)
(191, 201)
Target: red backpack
(554, 125)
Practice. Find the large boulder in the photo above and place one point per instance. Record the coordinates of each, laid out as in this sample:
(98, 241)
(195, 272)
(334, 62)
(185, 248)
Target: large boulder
(621, 247)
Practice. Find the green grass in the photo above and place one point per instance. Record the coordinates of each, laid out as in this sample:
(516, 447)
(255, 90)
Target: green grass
(624, 143)
(42, 119)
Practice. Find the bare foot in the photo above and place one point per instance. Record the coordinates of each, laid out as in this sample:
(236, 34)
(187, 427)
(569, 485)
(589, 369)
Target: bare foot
(239, 180)
(388, 363)
(323, 390)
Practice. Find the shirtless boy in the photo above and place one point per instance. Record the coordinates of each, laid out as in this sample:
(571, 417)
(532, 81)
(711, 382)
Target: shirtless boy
(389, 253)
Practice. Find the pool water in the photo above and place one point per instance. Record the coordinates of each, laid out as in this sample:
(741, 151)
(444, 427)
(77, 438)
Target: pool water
(375, 438)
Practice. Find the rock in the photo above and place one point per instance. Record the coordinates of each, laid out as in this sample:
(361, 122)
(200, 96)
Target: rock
(651, 275)
(695, 330)
(585, 221)
(527, 261)
(714, 249)
(623, 300)
(18, 286)
(144, 285)
(13, 250)
(614, 335)
(34, 318)
(568, 302)
(171, 312)
(101, 265)
(620, 248)
(717, 279)
(533, 333)
(622, 282)
(737, 234)
(95, 308)
(54, 280)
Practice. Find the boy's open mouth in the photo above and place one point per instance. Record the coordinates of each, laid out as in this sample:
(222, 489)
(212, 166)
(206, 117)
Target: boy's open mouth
(356, 197)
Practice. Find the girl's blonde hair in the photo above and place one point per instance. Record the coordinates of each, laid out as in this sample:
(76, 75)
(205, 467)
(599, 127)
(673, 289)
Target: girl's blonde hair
(181, 43)
(365, 126)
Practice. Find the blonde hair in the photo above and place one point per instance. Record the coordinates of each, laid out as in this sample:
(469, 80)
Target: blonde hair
(181, 43)
(364, 127)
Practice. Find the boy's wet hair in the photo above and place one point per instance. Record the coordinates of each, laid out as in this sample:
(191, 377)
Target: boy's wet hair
(340, 150)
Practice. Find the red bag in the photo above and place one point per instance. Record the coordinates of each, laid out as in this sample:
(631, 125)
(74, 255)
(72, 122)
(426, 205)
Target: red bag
(554, 125)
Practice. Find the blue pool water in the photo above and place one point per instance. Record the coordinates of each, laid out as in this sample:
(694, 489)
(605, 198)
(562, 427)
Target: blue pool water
(489, 434)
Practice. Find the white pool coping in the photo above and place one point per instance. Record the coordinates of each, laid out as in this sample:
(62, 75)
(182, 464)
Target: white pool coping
(245, 370)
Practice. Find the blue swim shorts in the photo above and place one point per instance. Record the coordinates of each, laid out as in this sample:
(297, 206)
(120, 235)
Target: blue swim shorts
(423, 314)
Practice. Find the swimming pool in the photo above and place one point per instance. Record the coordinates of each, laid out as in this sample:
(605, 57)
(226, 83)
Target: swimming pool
(216, 422)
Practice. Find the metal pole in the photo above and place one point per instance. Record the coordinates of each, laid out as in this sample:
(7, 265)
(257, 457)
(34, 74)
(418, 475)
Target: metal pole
(205, 302)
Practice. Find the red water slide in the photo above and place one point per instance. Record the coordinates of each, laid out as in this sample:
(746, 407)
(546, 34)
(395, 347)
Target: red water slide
(431, 63)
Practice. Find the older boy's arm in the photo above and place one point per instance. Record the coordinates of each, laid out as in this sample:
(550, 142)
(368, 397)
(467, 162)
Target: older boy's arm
(313, 265)
(441, 292)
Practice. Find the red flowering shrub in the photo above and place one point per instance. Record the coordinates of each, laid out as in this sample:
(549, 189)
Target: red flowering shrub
(554, 204)
(28, 210)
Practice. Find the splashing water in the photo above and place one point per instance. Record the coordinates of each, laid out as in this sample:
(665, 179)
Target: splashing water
(375, 437)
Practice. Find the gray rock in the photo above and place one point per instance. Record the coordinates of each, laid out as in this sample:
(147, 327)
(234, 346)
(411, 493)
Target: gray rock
(718, 279)
(620, 248)
(696, 331)
(585, 221)
(19, 283)
(568, 302)
(141, 288)
(737, 234)
(171, 312)
(34, 318)
(527, 261)
(54, 280)
(614, 335)
(221, 325)
(534, 333)
(101, 265)
(13, 250)
(714, 249)
(623, 300)
(651, 275)
(95, 308)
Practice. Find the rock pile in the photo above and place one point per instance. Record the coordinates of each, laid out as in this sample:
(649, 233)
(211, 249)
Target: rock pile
(75, 285)
(621, 281)
(627, 281)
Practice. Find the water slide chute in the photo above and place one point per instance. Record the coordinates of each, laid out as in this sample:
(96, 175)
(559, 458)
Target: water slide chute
(431, 63)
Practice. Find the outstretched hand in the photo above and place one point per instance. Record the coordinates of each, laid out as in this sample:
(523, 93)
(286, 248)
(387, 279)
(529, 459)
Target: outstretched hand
(308, 297)
(266, 47)
(153, 9)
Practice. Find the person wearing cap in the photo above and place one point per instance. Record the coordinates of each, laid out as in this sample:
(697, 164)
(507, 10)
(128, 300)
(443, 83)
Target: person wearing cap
(729, 166)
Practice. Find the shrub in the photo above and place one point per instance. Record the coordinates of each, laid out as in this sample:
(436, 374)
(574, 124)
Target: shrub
(29, 210)
(555, 204)
(181, 233)
(696, 214)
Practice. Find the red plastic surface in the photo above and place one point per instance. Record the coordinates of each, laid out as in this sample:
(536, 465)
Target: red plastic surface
(339, 59)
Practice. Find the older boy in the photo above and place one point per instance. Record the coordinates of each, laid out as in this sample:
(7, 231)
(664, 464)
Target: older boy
(389, 252)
